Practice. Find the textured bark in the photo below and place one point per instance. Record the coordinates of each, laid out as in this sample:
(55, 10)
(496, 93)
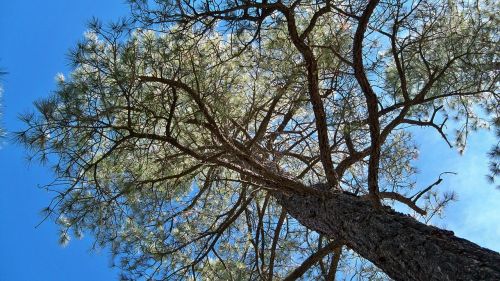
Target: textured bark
(402, 247)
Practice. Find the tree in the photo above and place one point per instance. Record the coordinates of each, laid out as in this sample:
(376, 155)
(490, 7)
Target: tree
(231, 139)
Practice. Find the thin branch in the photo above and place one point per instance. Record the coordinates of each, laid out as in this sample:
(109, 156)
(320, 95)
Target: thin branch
(313, 259)
(438, 181)
(407, 201)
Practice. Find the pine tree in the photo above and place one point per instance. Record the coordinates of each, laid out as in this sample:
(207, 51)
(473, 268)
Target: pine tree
(261, 140)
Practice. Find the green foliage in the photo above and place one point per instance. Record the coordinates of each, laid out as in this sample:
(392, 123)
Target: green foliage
(166, 136)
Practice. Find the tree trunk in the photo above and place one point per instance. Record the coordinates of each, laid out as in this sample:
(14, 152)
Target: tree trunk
(402, 247)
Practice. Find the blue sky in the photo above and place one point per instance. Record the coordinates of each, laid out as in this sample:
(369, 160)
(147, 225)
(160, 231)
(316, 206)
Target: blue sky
(475, 215)
(35, 37)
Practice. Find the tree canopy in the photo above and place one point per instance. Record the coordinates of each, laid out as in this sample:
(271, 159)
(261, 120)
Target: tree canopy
(180, 130)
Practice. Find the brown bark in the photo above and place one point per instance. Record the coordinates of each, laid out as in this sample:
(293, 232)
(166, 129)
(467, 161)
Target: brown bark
(402, 247)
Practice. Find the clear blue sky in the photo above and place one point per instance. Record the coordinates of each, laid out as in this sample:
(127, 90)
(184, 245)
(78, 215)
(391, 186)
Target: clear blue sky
(34, 39)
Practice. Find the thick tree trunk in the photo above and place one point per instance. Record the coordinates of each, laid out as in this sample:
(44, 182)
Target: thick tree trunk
(401, 246)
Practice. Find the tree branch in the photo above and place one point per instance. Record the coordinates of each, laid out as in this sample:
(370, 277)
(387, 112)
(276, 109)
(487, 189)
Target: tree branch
(371, 101)
(312, 259)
